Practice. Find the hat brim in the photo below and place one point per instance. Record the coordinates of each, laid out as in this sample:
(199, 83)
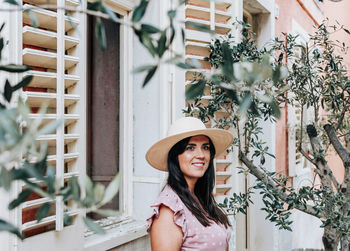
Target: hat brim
(157, 155)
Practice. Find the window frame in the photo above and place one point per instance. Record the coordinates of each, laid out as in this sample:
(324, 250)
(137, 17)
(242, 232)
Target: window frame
(300, 169)
(115, 235)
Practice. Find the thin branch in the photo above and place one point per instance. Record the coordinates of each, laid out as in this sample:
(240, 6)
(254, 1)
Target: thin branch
(342, 115)
(306, 156)
(239, 135)
(315, 105)
(301, 126)
(342, 152)
(326, 175)
(67, 8)
(344, 135)
(268, 181)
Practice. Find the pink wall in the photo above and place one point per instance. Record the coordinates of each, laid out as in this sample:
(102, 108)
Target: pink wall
(288, 10)
(339, 12)
(295, 9)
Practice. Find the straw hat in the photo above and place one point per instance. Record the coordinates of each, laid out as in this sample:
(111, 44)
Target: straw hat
(157, 155)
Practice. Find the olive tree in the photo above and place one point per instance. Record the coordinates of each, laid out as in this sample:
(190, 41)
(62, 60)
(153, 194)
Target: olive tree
(317, 80)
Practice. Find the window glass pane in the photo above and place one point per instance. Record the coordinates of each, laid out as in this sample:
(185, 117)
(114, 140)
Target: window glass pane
(103, 105)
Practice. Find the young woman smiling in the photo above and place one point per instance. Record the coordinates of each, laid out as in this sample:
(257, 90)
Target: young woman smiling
(185, 215)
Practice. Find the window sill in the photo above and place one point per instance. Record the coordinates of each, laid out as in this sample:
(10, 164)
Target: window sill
(123, 233)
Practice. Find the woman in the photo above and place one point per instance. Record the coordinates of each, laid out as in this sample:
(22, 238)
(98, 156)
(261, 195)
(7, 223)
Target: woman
(185, 215)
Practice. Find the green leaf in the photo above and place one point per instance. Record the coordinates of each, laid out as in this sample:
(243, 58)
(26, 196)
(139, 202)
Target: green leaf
(22, 197)
(33, 20)
(143, 68)
(172, 35)
(89, 192)
(149, 76)
(93, 226)
(41, 166)
(107, 212)
(14, 68)
(276, 112)
(149, 28)
(43, 211)
(13, 2)
(7, 91)
(147, 42)
(162, 44)
(172, 14)
(195, 90)
(96, 5)
(139, 11)
(110, 13)
(245, 103)
(98, 192)
(8, 227)
(111, 190)
(67, 220)
(75, 188)
(24, 82)
(201, 27)
(2, 27)
(185, 66)
(347, 31)
(5, 178)
(32, 171)
(1, 46)
(51, 177)
(50, 127)
(101, 34)
(227, 65)
(183, 35)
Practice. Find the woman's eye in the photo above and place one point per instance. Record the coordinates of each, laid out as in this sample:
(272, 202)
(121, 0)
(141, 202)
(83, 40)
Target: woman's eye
(189, 148)
(206, 147)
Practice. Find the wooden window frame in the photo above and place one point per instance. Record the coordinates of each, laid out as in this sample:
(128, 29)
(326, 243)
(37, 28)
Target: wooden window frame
(302, 168)
(125, 118)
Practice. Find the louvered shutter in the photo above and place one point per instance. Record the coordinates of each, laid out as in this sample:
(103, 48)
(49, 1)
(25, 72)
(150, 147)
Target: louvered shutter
(217, 17)
(55, 51)
(295, 158)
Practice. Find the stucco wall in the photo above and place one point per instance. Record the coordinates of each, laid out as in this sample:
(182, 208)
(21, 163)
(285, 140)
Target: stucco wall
(306, 232)
(141, 244)
(339, 12)
(287, 11)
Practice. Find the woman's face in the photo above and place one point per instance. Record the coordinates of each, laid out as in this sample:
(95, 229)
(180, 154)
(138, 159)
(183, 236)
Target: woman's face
(194, 161)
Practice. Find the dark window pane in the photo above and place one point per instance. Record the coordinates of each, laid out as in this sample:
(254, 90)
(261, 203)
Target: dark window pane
(103, 106)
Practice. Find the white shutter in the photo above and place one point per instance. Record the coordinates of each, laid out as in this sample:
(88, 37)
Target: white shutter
(295, 158)
(217, 17)
(56, 52)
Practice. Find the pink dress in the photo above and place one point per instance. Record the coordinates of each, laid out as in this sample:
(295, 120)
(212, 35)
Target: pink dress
(195, 235)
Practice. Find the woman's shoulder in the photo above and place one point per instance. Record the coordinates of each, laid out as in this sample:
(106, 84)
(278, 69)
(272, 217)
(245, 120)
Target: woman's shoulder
(171, 200)
(168, 192)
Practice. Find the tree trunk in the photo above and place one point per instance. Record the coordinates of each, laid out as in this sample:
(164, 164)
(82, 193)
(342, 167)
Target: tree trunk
(345, 245)
(329, 239)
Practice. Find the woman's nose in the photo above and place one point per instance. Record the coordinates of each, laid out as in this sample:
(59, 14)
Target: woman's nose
(199, 153)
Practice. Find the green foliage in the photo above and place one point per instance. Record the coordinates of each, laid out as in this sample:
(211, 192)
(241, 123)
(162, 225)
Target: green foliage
(8, 227)
(93, 226)
(242, 88)
(249, 86)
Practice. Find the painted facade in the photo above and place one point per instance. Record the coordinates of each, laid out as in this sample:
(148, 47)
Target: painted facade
(145, 114)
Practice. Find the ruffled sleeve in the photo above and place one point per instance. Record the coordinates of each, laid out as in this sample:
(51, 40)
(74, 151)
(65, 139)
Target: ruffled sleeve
(171, 200)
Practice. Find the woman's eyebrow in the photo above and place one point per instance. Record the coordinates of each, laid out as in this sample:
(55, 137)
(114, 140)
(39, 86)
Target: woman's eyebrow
(193, 144)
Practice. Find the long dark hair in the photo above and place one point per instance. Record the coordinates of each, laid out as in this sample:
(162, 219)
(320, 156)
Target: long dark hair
(208, 209)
